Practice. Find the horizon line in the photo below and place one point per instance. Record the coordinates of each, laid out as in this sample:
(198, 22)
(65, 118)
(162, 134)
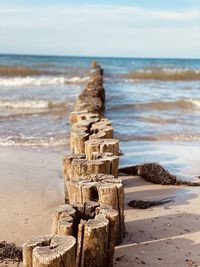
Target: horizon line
(100, 57)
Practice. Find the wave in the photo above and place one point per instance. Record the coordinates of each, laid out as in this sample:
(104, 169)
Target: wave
(163, 74)
(32, 104)
(22, 71)
(157, 120)
(189, 104)
(34, 142)
(38, 81)
(160, 137)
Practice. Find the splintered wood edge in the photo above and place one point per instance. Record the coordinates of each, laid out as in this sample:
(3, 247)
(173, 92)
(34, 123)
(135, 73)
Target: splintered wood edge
(59, 246)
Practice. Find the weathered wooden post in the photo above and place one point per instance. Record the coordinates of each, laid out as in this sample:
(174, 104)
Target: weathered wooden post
(101, 146)
(95, 229)
(50, 251)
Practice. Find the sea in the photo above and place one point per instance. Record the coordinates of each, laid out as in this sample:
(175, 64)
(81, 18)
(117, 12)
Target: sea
(154, 105)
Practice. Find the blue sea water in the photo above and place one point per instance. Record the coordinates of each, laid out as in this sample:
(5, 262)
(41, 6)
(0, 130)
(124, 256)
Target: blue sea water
(154, 105)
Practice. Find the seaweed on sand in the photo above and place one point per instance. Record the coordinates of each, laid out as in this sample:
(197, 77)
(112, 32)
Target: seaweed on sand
(155, 173)
(9, 252)
(145, 204)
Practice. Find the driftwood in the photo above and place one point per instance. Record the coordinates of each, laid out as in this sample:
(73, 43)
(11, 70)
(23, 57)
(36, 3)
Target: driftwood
(155, 173)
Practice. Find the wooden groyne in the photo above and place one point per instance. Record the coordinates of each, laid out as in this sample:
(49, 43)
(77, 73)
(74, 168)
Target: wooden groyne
(87, 227)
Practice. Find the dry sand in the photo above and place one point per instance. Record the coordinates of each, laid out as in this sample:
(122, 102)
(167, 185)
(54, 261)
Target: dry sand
(166, 235)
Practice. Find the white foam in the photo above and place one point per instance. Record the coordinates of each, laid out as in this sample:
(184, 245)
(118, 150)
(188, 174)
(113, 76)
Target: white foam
(33, 142)
(195, 102)
(25, 104)
(38, 81)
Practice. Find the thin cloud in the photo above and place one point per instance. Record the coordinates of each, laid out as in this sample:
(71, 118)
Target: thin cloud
(109, 10)
(124, 30)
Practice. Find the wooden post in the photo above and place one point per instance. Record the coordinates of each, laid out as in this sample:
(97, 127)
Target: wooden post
(99, 135)
(30, 245)
(78, 116)
(101, 124)
(113, 217)
(80, 243)
(91, 104)
(66, 212)
(95, 242)
(87, 189)
(111, 163)
(113, 195)
(60, 253)
(80, 192)
(83, 168)
(105, 126)
(78, 139)
(101, 146)
(67, 161)
(85, 124)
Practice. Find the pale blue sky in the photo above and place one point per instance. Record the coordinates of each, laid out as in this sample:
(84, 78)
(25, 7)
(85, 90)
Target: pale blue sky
(137, 28)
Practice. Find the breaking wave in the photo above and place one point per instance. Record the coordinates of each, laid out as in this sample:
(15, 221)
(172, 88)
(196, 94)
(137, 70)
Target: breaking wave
(163, 74)
(38, 81)
(34, 142)
(32, 104)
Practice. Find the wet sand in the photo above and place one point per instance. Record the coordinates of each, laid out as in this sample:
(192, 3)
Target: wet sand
(167, 235)
(31, 187)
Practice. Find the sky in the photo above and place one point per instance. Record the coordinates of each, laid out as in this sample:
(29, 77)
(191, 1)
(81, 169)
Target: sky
(120, 28)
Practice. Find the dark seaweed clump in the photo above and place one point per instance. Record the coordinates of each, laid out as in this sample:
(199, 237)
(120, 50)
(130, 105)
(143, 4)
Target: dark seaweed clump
(142, 204)
(155, 173)
(9, 252)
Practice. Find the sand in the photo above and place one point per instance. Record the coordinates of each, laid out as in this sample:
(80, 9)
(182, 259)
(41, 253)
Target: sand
(166, 235)
(31, 187)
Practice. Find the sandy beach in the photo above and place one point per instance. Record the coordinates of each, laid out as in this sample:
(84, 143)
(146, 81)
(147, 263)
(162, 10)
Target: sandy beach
(167, 235)
(31, 187)
(154, 121)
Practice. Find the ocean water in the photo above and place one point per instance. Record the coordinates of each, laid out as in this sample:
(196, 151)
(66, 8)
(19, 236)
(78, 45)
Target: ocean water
(154, 105)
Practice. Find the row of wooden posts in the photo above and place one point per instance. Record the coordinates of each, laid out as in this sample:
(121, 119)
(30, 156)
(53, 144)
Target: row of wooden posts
(86, 229)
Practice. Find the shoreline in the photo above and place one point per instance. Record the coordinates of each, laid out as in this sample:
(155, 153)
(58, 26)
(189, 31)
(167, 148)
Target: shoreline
(32, 187)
